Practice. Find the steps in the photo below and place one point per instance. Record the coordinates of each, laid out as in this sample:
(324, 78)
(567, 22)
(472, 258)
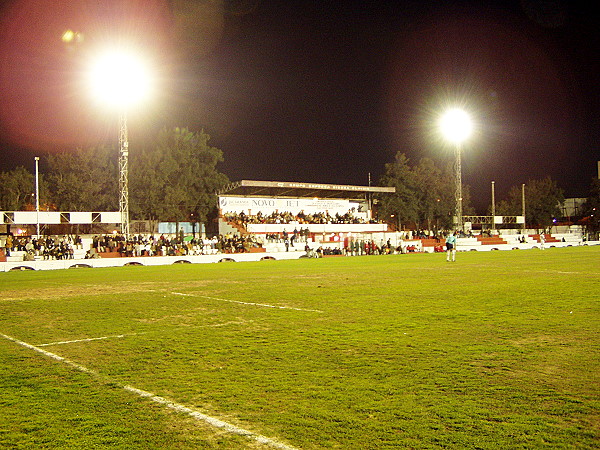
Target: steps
(548, 238)
(432, 242)
(494, 240)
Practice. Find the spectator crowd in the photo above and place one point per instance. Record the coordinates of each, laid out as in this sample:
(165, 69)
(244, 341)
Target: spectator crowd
(64, 247)
(170, 245)
(287, 217)
(48, 247)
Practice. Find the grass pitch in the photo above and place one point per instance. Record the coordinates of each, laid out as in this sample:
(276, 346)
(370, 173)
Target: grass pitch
(496, 350)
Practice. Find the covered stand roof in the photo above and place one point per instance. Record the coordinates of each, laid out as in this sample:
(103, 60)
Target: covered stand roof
(251, 188)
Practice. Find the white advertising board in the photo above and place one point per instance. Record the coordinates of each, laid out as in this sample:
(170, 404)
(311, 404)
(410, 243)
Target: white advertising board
(80, 217)
(252, 205)
(30, 217)
(110, 217)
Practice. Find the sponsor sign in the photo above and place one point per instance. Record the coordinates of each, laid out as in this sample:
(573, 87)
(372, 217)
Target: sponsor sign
(252, 205)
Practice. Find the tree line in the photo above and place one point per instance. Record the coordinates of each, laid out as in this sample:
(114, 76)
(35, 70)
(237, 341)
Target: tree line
(176, 178)
(424, 198)
(173, 179)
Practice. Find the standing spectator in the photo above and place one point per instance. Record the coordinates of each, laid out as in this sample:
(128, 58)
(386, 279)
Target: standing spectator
(451, 247)
(8, 244)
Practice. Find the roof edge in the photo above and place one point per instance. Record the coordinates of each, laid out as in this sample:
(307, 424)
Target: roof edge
(303, 185)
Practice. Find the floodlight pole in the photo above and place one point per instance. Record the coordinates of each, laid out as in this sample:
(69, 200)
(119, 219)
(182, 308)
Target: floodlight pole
(37, 196)
(123, 173)
(458, 188)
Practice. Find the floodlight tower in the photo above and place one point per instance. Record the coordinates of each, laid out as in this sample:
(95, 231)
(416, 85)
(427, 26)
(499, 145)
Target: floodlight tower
(456, 126)
(124, 173)
(121, 80)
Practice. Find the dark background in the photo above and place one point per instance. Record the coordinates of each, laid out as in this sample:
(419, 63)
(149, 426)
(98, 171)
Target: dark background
(319, 91)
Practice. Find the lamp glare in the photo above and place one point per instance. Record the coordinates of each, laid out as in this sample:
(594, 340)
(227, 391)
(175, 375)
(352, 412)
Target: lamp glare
(119, 79)
(456, 125)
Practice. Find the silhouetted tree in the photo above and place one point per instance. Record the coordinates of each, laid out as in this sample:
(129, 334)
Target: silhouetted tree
(591, 208)
(543, 199)
(16, 189)
(424, 193)
(84, 179)
(176, 177)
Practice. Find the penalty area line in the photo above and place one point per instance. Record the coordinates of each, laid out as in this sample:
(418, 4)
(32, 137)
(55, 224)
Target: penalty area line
(263, 305)
(87, 340)
(218, 423)
(120, 336)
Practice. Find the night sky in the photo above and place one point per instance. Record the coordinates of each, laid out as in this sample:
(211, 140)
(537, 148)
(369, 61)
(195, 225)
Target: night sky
(322, 92)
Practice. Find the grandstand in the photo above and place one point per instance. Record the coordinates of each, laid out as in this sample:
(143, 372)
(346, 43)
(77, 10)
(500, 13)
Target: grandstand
(324, 212)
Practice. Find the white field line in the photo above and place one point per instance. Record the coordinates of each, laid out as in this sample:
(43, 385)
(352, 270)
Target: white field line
(228, 427)
(86, 340)
(562, 272)
(118, 336)
(264, 305)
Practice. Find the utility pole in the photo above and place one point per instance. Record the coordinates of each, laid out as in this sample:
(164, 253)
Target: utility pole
(523, 203)
(493, 206)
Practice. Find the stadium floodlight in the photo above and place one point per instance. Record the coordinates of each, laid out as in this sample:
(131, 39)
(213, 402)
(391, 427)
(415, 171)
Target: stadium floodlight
(456, 126)
(121, 80)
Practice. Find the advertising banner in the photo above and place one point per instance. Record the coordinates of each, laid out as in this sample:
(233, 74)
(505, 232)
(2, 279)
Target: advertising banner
(81, 217)
(30, 217)
(252, 205)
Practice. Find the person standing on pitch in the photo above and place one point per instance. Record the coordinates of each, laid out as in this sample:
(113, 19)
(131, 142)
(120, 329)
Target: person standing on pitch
(451, 247)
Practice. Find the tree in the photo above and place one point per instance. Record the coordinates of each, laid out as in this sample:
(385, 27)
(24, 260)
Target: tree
(176, 177)
(591, 208)
(402, 205)
(84, 180)
(513, 204)
(16, 189)
(543, 199)
(542, 202)
(433, 188)
(424, 194)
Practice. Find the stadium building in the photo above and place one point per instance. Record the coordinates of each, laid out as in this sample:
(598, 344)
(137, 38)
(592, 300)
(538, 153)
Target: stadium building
(322, 213)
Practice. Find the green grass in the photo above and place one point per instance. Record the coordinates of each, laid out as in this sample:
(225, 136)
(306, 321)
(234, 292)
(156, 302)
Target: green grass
(496, 350)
